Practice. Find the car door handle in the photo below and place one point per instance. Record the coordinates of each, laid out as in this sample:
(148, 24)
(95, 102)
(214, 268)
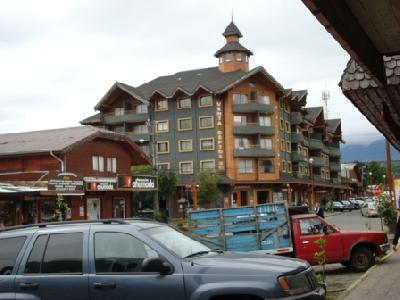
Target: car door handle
(29, 285)
(105, 285)
(305, 242)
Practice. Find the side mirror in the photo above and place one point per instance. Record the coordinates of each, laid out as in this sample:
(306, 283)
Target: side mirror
(156, 265)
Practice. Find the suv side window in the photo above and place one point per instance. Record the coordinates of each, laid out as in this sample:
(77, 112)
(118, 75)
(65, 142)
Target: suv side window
(56, 253)
(120, 253)
(9, 249)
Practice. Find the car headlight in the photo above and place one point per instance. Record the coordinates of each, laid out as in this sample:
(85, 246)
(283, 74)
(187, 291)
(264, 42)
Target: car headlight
(299, 283)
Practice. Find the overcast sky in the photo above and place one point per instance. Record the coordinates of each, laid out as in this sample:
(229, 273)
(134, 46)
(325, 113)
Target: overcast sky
(58, 58)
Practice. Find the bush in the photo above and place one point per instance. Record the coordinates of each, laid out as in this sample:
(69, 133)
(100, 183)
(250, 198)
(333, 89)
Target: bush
(387, 212)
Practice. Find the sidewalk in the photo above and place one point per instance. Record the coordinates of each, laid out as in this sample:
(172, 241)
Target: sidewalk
(379, 282)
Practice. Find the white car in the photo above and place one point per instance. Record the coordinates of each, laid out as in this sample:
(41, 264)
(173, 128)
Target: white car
(369, 209)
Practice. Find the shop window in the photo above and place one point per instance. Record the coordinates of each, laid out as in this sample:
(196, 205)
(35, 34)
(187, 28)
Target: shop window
(119, 208)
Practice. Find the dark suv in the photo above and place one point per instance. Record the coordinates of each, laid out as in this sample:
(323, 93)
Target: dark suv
(139, 259)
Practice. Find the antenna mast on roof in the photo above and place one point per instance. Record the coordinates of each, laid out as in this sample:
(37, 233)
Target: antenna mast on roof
(326, 95)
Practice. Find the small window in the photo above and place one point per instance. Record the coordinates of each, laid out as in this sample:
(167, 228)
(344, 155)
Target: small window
(163, 166)
(238, 56)
(289, 167)
(207, 165)
(283, 146)
(141, 129)
(207, 144)
(265, 143)
(142, 109)
(245, 166)
(283, 166)
(240, 99)
(242, 143)
(264, 121)
(9, 250)
(117, 252)
(186, 167)
(112, 164)
(205, 101)
(63, 254)
(162, 126)
(253, 96)
(240, 120)
(185, 145)
(288, 146)
(161, 104)
(266, 166)
(281, 124)
(98, 163)
(228, 57)
(264, 99)
(163, 147)
(281, 104)
(185, 124)
(119, 111)
(206, 122)
(287, 126)
(184, 103)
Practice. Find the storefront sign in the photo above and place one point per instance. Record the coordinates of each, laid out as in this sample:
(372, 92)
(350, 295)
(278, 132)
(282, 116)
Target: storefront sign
(100, 183)
(220, 136)
(66, 183)
(137, 183)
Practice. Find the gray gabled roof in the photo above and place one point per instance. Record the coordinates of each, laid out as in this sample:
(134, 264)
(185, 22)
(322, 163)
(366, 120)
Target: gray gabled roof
(135, 93)
(313, 113)
(332, 125)
(95, 119)
(232, 46)
(55, 140)
(232, 29)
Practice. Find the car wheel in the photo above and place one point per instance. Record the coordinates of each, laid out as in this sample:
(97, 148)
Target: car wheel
(361, 259)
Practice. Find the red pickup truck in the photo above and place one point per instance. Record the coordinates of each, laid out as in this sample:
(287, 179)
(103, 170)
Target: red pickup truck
(355, 249)
(276, 229)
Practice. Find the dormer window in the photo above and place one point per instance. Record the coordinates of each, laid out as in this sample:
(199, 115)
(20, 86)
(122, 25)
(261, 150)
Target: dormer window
(119, 111)
(161, 105)
(239, 57)
(184, 103)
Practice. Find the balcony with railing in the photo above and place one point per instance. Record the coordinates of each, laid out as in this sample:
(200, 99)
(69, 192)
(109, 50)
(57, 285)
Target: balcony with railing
(129, 116)
(296, 119)
(297, 157)
(253, 151)
(318, 162)
(253, 128)
(297, 137)
(314, 144)
(335, 167)
(138, 137)
(252, 106)
(334, 151)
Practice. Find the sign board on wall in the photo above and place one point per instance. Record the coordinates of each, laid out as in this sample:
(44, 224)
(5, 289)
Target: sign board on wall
(137, 183)
(65, 183)
(100, 183)
(220, 136)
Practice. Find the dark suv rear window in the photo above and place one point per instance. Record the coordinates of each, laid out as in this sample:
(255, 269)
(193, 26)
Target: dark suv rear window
(56, 253)
(9, 249)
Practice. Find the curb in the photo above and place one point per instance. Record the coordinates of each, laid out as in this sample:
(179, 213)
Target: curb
(357, 282)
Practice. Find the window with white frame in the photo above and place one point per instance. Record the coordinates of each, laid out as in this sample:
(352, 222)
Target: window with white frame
(206, 122)
(186, 167)
(119, 111)
(242, 143)
(162, 147)
(205, 101)
(240, 120)
(245, 166)
(185, 145)
(207, 165)
(161, 104)
(185, 124)
(265, 143)
(162, 126)
(264, 121)
(98, 163)
(207, 144)
(163, 166)
(112, 164)
(141, 109)
(184, 103)
(288, 146)
(240, 98)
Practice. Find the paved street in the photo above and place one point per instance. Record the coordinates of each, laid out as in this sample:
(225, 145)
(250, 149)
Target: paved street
(338, 277)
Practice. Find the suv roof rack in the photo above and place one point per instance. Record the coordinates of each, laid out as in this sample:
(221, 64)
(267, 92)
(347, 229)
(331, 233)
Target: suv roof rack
(44, 225)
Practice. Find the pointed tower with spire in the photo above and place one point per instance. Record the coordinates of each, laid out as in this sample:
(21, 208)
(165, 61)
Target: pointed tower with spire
(233, 56)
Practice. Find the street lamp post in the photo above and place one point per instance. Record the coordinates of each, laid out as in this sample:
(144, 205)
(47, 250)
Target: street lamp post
(310, 162)
(370, 179)
(153, 153)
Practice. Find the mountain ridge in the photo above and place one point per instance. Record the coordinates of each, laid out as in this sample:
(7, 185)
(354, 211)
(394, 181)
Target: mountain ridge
(375, 150)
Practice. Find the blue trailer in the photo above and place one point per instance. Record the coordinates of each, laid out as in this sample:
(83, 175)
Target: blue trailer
(263, 228)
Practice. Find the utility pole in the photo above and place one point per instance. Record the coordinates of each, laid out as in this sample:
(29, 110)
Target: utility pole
(389, 176)
(154, 171)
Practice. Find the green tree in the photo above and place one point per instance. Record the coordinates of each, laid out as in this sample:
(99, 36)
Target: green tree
(167, 186)
(208, 188)
(387, 212)
(376, 170)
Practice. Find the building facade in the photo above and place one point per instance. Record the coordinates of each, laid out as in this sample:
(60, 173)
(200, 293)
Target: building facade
(239, 122)
(81, 164)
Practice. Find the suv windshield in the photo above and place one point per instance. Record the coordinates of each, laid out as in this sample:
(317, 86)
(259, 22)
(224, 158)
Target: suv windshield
(175, 241)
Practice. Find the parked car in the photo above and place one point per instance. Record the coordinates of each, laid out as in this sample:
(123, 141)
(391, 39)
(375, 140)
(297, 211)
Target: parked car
(140, 259)
(337, 205)
(347, 205)
(369, 209)
(355, 203)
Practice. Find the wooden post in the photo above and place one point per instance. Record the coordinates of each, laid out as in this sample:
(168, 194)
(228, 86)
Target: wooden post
(389, 176)
(194, 195)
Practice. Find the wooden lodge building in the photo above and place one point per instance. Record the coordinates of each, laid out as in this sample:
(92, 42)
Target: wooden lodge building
(83, 164)
(240, 122)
